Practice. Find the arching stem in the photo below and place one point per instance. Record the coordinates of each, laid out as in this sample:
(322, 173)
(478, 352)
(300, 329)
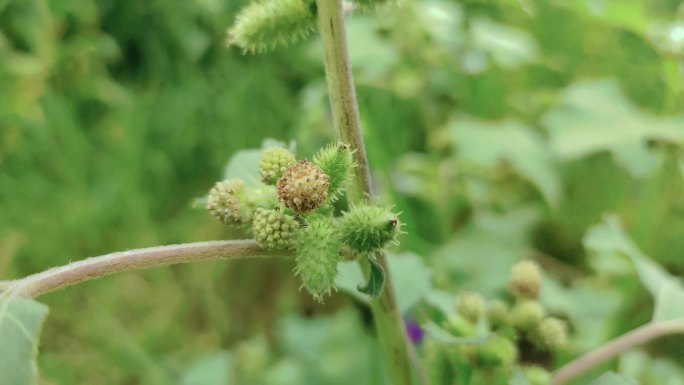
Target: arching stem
(96, 267)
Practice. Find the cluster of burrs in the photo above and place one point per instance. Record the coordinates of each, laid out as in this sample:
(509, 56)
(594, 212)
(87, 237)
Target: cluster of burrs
(293, 210)
(520, 335)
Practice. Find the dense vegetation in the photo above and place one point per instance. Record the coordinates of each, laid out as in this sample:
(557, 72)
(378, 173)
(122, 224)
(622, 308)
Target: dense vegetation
(502, 130)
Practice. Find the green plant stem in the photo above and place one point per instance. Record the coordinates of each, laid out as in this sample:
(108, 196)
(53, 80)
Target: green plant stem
(96, 267)
(388, 322)
(640, 335)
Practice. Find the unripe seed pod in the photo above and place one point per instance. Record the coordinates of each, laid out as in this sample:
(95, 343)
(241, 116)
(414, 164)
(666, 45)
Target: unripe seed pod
(497, 351)
(263, 25)
(273, 162)
(367, 227)
(226, 202)
(497, 314)
(537, 375)
(470, 306)
(525, 280)
(526, 315)
(273, 229)
(336, 161)
(303, 187)
(550, 334)
(318, 249)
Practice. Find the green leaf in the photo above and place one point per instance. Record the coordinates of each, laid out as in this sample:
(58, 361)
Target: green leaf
(484, 252)
(509, 47)
(669, 303)
(412, 279)
(487, 144)
(609, 239)
(215, 369)
(21, 320)
(376, 280)
(444, 336)
(594, 116)
(329, 349)
(612, 378)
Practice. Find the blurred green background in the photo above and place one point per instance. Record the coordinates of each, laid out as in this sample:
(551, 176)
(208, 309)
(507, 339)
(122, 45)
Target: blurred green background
(502, 129)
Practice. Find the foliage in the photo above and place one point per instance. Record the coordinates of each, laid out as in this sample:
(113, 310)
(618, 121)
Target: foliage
(502, 130)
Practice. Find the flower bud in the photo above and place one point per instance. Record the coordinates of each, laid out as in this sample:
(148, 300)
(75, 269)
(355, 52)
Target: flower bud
(497, 351)
(336, 161)
(273, 229)
(550, 334)
(525, 281)
(470, 306)
(526, 315)
(497, 314)
(273, 162)
(303, 187)
(537, 375)
(318, 251)
(226, 202)
(367, 227)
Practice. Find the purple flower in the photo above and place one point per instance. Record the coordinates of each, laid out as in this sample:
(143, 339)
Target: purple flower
(413, 331)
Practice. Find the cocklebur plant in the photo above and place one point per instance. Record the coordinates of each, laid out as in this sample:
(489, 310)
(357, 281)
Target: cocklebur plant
(303, 187)
(227, 202)
(267, 24)
(318, 249)
(518, 335)
(302, 219)
(337, 162)
(264, 25)
(273, 162)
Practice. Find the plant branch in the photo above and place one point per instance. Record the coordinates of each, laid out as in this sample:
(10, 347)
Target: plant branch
(642, 334)
(388, 322)
(96, 267)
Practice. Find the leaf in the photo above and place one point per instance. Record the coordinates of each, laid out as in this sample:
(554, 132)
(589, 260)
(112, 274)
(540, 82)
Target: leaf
(594, 116)
(484, 252)
(412, 279)
(331, 349)
(669, 303)
(608, 239)
(215, 369)
(376, 280)
(21, 320)
(441, 335)
(486, 144)
(509, 47)
(611, 378)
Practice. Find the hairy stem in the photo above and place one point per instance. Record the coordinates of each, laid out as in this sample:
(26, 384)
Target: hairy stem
(345, 111)
(640, 335)
(96, 267)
